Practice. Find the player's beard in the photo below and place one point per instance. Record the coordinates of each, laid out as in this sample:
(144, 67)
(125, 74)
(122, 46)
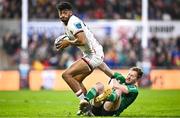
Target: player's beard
(65, 20)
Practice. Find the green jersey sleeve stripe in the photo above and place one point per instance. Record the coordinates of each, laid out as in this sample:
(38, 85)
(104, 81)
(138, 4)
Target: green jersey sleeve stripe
(132, 88)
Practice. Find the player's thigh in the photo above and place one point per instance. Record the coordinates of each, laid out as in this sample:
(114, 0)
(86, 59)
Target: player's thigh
(77, 68)
(82, 76)
(99, 87)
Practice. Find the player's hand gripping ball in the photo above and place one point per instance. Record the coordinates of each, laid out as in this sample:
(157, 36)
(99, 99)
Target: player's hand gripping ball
(61, 42)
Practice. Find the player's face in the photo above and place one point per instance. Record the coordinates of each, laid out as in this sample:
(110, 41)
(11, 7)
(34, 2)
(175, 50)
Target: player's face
(64, 15)
(131, 77)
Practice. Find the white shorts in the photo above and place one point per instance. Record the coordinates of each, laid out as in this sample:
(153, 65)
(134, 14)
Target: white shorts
(93, 60)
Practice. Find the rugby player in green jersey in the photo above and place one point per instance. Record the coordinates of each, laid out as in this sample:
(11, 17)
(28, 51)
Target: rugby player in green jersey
(112, 101)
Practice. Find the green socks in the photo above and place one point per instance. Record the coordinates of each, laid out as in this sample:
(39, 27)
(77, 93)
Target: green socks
(112, 97)
(91, 94)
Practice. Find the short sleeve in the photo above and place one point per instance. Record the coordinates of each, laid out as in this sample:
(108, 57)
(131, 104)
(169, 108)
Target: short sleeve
(75, 26)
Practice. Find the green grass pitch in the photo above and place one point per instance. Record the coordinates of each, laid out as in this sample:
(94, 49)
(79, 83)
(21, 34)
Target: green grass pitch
(149, 103)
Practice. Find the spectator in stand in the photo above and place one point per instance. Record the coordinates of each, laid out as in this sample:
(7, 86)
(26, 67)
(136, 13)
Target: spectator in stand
(89, 9)
(164, 10)
(175, 54)
(94, 9)
(10, 9)
(163, 52)
(11, 45)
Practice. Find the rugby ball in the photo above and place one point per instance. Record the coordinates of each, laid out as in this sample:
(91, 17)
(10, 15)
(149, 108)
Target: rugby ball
(60, 39)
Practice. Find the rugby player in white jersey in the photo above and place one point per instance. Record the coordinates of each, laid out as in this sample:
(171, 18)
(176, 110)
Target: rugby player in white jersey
(83, 38)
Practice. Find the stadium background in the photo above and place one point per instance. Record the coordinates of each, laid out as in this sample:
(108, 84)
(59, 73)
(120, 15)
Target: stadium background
(144, 33)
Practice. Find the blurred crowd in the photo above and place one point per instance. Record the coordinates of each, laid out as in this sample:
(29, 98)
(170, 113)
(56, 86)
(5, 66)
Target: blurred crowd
(121, 53)
(10, 9)
(109, 9)
(165, 53)
(94, 9)
(89, 9)
(160, 53)
(164, 10)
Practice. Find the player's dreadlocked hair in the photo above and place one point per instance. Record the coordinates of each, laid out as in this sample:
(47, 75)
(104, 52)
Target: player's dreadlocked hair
(138, 70)
(64, 5)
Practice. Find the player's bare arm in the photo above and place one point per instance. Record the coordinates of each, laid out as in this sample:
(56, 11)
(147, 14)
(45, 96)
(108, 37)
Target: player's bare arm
(80, 39)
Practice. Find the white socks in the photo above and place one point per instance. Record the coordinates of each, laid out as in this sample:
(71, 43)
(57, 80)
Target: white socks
(80, 94)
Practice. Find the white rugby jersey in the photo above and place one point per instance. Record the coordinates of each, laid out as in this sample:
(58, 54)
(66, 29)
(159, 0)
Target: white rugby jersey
(74, 26)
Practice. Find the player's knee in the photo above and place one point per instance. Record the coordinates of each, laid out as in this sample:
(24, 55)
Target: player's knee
(99, 87)
(108, 106)
(66, 75)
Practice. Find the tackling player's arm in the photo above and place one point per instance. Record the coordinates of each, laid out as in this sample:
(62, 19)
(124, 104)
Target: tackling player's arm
(116, 85)
(118, 77)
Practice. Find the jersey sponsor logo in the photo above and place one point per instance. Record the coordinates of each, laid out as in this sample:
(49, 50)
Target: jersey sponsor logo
(78, 25)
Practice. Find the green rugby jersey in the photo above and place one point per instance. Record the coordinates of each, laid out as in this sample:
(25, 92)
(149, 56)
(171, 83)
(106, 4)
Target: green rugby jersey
(126, 99)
